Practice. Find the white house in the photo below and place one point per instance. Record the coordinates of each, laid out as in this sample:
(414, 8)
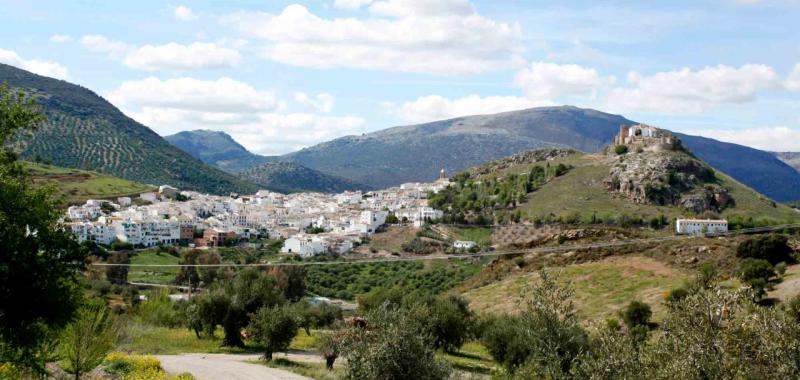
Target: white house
(303, 245)
(464, 244)
(419, 215)
(700, 226)
(124, 201)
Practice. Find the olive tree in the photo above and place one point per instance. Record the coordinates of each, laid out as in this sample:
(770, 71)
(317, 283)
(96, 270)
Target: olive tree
(274, 327)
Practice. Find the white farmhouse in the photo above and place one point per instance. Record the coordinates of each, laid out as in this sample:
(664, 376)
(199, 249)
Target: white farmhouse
(700, 226)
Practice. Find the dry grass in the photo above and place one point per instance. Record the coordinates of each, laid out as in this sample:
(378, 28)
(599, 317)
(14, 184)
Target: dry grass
(602, 288)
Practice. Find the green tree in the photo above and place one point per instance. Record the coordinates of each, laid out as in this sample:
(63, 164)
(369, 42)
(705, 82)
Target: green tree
(87, 340)
(273, 327)
(758, 274)
(118, 274)
(450, 322)
(329, 346)
(39, 260)
(773, 248)
(188, 274)
(391, 346)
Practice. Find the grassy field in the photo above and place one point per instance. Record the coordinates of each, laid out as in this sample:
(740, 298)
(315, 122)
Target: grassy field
(392, 239)
(602, 288)
(480, 235)
(76, 186)
(157, 275)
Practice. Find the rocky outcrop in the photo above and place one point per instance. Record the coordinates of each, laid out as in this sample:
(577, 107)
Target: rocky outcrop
(667, 178)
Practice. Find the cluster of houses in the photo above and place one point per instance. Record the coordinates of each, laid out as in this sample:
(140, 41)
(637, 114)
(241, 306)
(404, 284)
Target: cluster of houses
(309, 223)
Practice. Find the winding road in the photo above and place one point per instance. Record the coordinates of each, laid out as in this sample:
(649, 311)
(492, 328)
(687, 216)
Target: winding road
(230, 366)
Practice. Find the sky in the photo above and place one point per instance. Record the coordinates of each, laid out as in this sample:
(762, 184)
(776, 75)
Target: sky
(282, 75)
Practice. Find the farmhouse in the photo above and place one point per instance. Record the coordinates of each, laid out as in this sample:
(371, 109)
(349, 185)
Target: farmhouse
(700, 226)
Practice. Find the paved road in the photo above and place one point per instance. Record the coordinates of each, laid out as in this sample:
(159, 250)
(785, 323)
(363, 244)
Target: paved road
(224, 366)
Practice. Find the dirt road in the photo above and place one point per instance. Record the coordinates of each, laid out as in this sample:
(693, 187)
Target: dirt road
(227, 366)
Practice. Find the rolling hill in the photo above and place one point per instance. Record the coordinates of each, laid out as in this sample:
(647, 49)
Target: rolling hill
(288, 177)
(417, 152)
(76, 186)
(85, 131)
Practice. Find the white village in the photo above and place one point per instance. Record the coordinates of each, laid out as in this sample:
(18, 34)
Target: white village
(309, 223)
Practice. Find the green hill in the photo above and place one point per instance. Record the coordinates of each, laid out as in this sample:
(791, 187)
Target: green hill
(85, 131)
(287, 177)
(76, 186)
(572, 187)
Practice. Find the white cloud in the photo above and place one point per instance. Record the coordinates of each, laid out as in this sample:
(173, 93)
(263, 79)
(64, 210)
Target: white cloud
(170, 56)
(254, 117)
(46, 68)
(793, 81)
(174, 56)
(183, 13)
(544, 81)
(59, 38)
(351, 5)
(322, 102)
(776, 139)
(102, 44)
(687, 91)
(435, 107)
(218, 96)
(442, 37)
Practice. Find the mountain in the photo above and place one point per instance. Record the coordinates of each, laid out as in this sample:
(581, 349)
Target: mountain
(790, 158)
(417, 152)
(85, 131)
(221, 150)
(218, 149)
(288, 177)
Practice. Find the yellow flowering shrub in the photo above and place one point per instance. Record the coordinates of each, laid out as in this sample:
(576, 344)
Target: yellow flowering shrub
(138, 367)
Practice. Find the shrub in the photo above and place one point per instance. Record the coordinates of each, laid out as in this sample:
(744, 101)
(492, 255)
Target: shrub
(636, 314)
(87, 340)
(620, 149)
(118, 274)
(158, 310)
(773, 248)
(757, 273)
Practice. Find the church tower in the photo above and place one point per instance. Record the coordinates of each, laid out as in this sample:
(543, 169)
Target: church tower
(442, 175)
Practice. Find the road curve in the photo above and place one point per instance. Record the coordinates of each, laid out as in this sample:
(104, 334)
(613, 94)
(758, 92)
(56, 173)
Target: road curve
(223, 366)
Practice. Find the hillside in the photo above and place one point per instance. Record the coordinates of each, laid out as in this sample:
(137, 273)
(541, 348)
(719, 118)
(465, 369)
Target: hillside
(218, 149)
(85, 131)
(287, 177)
(790, 158)
(76, 186)
(417, 152)
(577, 187)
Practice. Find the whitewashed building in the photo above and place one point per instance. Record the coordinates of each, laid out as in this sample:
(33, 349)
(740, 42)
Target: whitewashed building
(464, 244)
(303, 245)
(700, 226)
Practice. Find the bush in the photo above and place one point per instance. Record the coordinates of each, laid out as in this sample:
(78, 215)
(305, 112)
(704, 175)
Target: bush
(159, 310)
(118, 274)
(86, 341)
(636, 314)
(620, 149)
(773, 248)
(757, 273)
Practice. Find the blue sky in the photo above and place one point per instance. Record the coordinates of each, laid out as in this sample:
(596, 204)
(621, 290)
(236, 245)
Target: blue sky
(279, 75)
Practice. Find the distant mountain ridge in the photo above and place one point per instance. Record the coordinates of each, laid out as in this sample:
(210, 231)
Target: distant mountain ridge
(417, 152)
(221, 150)
(85, 131)
(218, 149)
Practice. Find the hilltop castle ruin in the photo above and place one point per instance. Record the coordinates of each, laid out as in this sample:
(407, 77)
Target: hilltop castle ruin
(645, 138)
